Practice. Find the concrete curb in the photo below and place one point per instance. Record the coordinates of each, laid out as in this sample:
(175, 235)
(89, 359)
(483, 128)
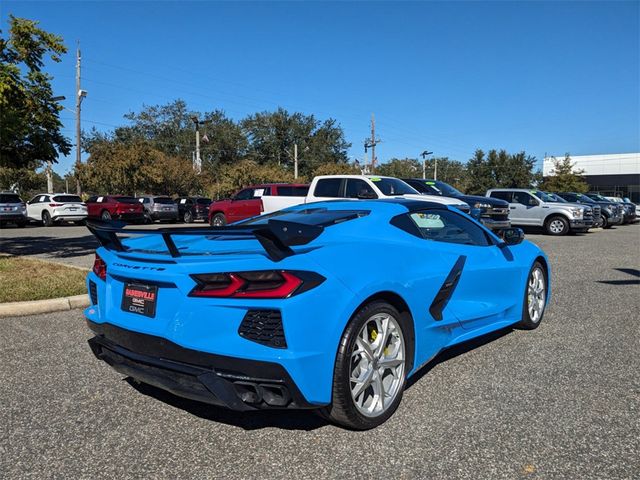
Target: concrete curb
(35, 307)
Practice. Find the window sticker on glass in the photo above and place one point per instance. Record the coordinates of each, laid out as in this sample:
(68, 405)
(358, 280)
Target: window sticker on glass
(183, 201)
(430, 183)
(258, 192)
(375, 179)
(99, 199)
(427, 220)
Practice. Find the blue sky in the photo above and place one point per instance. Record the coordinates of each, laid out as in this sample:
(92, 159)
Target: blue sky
(544, 77)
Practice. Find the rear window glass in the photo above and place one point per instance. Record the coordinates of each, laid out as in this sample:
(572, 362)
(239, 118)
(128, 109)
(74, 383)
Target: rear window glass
(328, 187)
(9, 198)
(67, 198)
(507, 196)
(203, 201)
(164, 200)
(293, 191)
(126, 200)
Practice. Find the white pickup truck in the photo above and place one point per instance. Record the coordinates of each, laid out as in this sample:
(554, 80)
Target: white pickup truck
(363, 187)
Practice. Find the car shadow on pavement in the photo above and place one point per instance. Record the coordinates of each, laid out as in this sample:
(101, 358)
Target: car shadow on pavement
(628, 281)
(251, 420)
(54, 246)
(455, 351)
(290, 419)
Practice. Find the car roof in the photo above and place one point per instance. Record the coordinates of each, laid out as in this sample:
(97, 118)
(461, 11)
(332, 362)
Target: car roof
(506, 189)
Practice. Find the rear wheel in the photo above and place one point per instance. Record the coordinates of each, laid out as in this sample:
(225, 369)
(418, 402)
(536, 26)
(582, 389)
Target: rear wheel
(371, 367)
(218, 220)
(557, 225)
(535, 297)
(105, 215)
(46, 219)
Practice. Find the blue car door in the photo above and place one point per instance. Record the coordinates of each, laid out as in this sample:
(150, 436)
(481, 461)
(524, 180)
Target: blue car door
(484, 284)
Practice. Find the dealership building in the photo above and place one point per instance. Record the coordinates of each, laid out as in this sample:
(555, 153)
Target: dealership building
(615, 174)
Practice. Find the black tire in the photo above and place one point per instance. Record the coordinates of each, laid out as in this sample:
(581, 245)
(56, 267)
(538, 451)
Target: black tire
(605, 222)
(47, 221)
(187, 217)
(527, 323)
(105, 216)
(342, 409)
(556, 225)
(218, 220)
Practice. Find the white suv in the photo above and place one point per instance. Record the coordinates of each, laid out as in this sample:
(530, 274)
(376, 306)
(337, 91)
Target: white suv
(50, 208)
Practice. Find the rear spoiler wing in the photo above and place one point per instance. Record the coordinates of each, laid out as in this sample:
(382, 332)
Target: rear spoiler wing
(276, 236)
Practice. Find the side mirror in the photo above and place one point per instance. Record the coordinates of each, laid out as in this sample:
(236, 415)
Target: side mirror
(367, 195)
(510, 236)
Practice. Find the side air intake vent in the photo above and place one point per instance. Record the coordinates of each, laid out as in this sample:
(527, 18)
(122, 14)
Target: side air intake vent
(265, 327)
(93, 292)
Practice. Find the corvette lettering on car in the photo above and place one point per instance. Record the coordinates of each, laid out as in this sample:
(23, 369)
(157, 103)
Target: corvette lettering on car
(328, 306)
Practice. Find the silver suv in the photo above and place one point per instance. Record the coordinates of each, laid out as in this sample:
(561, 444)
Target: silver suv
(159, 208)
(12, 209)
(536, 208)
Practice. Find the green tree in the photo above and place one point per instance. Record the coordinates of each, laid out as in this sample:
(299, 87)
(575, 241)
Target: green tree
(500, 169)
(31, 127)
(233, 177)
(336, 169)
(272, 136)
(22, 180)
(564, 178)
(400, 168)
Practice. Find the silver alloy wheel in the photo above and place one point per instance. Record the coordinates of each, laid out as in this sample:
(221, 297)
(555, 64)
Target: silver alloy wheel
(377, 365)
(217, 221)
(556, 226)
(536, 294)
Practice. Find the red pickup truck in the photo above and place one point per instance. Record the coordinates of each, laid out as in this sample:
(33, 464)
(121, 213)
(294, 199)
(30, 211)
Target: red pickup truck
(247, 202)
(120, 207)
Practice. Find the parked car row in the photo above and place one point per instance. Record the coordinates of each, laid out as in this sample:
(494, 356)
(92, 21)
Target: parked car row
(557, 213)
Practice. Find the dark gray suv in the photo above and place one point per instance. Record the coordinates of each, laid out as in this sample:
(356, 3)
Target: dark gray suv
(12, 209)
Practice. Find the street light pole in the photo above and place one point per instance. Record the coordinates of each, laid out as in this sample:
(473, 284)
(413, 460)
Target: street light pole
(198, 161)
(80, 94)
(424, 163)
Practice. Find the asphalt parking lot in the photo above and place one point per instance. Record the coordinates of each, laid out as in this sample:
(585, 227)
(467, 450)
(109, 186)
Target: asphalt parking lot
(562, 401)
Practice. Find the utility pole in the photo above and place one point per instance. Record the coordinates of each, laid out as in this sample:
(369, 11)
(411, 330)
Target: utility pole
(424, 163)
(295, 161)
(198, 162)
(80, 94)
(371, 143)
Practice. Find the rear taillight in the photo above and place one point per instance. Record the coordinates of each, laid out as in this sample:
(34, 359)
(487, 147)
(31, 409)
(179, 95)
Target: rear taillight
(256, 284)
(99, 267)
(53, 205)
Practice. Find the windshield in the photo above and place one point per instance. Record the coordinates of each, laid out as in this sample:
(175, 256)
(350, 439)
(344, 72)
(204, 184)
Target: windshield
(583, 198)
(126, 199)
(9, 198)
(67, 198)
(441, 188)
(543, 196)
(557, 198)
(598, 197)
(163, 200)
(393, 186)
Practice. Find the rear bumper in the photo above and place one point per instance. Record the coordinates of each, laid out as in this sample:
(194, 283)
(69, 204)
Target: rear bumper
(238, 384)
(69, 218)
(13, 217)
(164, 215)
(130, 217)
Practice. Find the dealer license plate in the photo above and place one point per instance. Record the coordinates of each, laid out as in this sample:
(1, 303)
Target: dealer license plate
(139, 298)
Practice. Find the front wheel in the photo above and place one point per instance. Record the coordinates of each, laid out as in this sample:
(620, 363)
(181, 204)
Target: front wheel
(557, 225)
(105, 216)
(604, 222)
(535, 297)
(370, 369)
(188, 217)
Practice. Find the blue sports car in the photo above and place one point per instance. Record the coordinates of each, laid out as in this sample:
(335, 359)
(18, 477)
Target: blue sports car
(328, 306)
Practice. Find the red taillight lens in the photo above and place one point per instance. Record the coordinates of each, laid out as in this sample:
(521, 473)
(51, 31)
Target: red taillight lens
(257, 284)
(99, 267)
(53, 205)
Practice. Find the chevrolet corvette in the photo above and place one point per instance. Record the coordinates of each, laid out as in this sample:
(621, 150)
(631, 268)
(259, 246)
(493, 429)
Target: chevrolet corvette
(329, 306)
